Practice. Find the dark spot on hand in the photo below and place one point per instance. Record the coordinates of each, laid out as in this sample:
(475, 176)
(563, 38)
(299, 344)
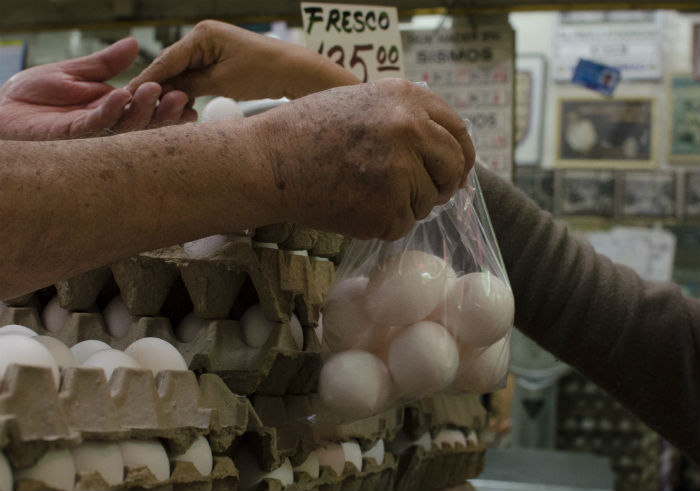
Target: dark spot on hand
(281, 184)
(170, 150)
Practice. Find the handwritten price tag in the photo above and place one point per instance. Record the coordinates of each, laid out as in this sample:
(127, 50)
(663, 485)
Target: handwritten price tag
(364, 39)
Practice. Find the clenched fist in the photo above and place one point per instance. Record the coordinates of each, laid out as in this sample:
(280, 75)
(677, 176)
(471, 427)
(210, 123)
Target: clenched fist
(366, 160)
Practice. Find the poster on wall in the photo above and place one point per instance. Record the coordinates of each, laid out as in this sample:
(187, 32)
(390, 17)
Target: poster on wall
(472, 68)
(616, 133)
(683, 120)
(648, 194)
(586, 192)
(529, 107)
(691, 194)
(631, 43)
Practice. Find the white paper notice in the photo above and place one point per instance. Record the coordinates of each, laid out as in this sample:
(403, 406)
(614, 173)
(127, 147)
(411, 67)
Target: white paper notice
(649, 252)
(364, 39)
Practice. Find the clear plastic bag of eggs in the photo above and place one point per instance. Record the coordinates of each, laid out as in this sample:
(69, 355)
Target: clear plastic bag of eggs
(407, 319)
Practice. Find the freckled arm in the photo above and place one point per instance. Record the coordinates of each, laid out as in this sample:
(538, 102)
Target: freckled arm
(71, 206)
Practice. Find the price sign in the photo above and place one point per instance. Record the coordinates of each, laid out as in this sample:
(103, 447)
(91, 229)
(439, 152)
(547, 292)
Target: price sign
(364, 39)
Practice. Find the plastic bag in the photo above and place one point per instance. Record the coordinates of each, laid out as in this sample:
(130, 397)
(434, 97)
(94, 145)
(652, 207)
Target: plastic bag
(406, 319)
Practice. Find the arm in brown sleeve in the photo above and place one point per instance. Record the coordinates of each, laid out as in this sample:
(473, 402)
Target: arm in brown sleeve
(638, 340)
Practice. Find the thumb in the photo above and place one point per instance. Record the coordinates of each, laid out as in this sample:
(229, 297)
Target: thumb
(104, 64)
(171, 62)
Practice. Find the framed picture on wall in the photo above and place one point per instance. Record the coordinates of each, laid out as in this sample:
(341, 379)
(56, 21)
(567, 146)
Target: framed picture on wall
(683, 119)
(648, 193)
(586, 192)
(538, 184)
(691, 194)
(531, 74)
(606, 133)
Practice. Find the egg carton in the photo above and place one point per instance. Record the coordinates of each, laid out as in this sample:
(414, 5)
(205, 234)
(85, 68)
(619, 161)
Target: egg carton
(183, 476)
(447, 409)
(296, 237)
(284, 281)
(439, 468)
(305, 416)
(133, 404)
(276, 368)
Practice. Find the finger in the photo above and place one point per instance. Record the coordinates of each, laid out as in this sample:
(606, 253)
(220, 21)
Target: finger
(443, 159)
(139, 113)
(189, 116)
(441, 112)
(104, 64)
(170, 108)
(172, 61)
(424, 193)
(102, 117)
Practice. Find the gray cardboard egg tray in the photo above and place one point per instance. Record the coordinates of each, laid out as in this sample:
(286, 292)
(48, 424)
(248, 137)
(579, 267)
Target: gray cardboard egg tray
(284, 282)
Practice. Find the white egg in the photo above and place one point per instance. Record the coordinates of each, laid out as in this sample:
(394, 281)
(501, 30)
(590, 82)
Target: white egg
(109, 360)
(61, 353)
(422, 359)
(311, 465)
(24, 350)
(117, 317)
(156, 354)
(354, 384)
(204, 246)
(55, 469)
(406, 288)
(472, 438)
(297, 331)
(333, 456)
(482, 371)
(53, 316)
(220, 109)
(375, 452)
(284, 473)
(85, 349)
(449, 437)
(346, 324)
(6, 478)
(255, 327)
(188, 328)
(199, 454)
(423, 441)
(102, 457)
(17, 329)
(479, 309)
(353, 453)
(149, 453)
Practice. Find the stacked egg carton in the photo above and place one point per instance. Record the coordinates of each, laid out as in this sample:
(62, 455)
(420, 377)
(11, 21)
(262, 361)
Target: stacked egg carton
(592, 421)
(287, 269)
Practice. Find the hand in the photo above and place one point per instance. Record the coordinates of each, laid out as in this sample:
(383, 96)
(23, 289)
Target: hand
(366, 160)
(69, 99)
(220, 59)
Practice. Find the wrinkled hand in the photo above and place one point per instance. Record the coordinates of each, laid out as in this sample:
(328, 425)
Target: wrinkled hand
(217, 58)
(69, 99)
(367, 160)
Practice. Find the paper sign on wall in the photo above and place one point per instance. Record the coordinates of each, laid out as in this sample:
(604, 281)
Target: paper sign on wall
(364, 39)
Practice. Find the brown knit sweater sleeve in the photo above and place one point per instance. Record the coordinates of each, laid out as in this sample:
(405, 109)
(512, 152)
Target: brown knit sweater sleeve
(638, 340)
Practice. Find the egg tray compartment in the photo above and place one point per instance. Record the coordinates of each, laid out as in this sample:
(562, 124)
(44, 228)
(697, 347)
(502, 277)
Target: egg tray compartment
(304, 413)
(296, 237)
(183, 476)
(276, 368)
(439, 468)
(451, 409)
(284, 282)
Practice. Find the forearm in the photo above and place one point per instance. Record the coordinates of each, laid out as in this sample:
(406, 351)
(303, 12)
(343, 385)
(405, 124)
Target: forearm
(72, 206)
(638, 340)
